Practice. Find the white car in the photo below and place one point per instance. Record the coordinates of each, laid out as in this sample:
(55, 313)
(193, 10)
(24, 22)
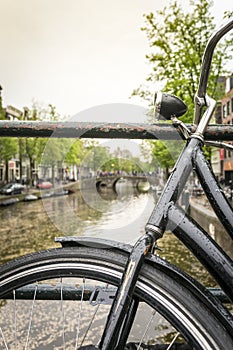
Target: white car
(12, 188)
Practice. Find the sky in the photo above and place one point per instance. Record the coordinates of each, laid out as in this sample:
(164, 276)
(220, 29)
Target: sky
(75, 54)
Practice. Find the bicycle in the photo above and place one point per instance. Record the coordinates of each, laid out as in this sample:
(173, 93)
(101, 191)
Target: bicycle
(119, 278)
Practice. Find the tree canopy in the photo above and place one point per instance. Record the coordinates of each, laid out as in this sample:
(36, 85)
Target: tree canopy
(177, 40)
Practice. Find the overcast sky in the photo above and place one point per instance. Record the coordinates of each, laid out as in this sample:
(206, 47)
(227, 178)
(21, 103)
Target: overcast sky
(75, 54)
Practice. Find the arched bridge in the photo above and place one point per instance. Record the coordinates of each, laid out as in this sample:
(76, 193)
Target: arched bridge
(111, 181)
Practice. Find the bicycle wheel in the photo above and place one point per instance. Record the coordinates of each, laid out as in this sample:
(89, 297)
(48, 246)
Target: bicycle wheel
(82, 282)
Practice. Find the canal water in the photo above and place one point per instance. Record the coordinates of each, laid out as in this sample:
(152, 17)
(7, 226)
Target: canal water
(32, 226)
(121, 215)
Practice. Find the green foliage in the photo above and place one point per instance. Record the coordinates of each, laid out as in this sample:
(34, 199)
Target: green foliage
(2, 112)
(43, 113)
(161, 154)
(75, 153)
(177, 40)
(120, 164)
(33, 148)
(165, 153)
(100, 158)
(61, 150)
(47, 152)
(55, 151)
(8, 148)
(96, 156)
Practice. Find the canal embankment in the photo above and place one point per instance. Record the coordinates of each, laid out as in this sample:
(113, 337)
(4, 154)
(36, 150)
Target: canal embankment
(202, 212)
(28, 194)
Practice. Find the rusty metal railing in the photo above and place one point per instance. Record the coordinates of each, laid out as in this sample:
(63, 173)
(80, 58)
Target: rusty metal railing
(109, 130)
(106, 130)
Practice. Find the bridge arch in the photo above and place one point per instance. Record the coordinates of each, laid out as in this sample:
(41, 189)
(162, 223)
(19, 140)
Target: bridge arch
(111, 181)
(100, 183)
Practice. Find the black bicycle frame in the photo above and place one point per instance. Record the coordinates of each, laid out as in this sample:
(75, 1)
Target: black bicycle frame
(168, 215)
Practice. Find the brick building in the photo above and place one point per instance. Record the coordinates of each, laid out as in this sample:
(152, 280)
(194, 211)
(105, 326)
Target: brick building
(226, 157)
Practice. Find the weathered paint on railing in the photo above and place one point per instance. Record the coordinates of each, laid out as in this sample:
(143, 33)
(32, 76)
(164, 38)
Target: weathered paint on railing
(105, 130)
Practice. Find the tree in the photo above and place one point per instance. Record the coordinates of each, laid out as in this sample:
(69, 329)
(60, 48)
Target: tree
(8, 149)
(76, 153)
(95, 157)
(115, 164)
(2, 111)
(177, 40)
(33, 148)
(54, 154)
(165, 153)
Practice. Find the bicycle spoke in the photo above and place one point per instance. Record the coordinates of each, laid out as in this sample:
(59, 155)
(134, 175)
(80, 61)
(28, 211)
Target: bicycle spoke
(31, 315)
(15, 320)
(173, 341)
(90, 324)
(80, 315)
(81, 302)
(3, 338)
(63, 317)
(146, 329)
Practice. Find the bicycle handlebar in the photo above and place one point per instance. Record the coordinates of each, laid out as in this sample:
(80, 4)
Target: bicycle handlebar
(206, 63)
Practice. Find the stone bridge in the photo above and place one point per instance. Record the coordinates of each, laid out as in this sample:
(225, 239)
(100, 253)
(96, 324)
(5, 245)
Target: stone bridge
(111, 181)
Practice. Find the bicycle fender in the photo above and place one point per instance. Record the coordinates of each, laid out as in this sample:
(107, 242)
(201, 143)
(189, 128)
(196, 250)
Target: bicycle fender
(72, 241)
(100, 243)
(159, 263)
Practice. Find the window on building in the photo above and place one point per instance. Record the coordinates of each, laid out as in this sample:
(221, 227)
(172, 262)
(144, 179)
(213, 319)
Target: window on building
(232, 104)
(228, 84)
(228, 108)
(224, 111)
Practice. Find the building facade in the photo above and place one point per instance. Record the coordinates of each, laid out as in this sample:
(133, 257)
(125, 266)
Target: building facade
(227, 118)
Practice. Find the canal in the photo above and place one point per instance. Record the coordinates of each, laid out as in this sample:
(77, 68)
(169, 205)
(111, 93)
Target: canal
(122, 215)
(32, 226)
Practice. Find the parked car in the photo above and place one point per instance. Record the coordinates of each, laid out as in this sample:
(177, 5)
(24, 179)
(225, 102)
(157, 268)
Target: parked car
(44, 185)
(12, 188)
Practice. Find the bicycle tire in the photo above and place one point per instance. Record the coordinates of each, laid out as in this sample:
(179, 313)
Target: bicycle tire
(184, 309)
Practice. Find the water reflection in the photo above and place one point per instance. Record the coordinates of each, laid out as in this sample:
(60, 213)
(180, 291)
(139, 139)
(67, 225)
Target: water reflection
(120, 215)
(32, 226)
